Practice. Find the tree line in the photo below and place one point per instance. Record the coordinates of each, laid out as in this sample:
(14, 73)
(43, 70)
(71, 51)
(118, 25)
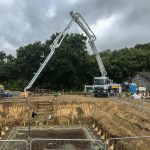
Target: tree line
(71, 66)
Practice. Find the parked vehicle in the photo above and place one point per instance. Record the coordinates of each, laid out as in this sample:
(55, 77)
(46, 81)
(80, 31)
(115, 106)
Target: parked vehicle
(3, 92)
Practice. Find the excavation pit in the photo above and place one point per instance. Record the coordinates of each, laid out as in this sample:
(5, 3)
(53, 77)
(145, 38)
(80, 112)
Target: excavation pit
(106, 118)
(54, 133)
(74, 138)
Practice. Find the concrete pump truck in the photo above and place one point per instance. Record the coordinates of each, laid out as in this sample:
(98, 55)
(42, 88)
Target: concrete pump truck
(101, 84)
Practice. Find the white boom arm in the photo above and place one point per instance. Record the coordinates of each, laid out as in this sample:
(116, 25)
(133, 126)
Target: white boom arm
(84, 26)
(76, 17)
(56, 43)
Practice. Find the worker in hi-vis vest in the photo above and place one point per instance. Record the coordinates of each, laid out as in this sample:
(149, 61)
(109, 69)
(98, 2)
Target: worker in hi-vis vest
(133, 88)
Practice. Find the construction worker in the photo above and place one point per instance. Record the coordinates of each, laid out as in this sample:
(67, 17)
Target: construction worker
(34, 115)
(133, 88)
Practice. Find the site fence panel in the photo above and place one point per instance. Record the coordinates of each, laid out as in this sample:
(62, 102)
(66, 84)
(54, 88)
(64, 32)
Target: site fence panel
(138, 104)
(128, 143)
(66, 144)
(13, 145)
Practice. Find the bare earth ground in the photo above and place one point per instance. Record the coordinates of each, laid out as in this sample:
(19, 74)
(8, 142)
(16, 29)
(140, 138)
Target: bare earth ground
(119, 117)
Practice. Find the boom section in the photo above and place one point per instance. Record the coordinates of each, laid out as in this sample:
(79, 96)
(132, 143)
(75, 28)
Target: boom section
(91, 38)
(56, 43)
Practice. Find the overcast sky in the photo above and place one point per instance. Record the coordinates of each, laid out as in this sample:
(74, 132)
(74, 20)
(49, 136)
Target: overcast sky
(116, 23)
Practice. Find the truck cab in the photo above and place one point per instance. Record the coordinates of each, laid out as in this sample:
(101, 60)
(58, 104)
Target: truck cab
(101, 86)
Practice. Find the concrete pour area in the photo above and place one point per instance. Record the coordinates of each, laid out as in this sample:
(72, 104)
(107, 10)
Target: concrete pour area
(75, 137)
(52, 133)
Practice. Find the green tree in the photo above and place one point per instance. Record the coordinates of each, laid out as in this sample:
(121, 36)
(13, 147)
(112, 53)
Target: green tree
(68, 67)
(71, 66)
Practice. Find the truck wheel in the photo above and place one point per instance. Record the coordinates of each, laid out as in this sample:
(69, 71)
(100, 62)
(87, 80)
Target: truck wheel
(95, 95)
(108, 94)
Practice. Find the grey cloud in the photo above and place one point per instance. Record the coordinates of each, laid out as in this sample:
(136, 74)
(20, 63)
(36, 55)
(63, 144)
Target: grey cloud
(24, 22)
